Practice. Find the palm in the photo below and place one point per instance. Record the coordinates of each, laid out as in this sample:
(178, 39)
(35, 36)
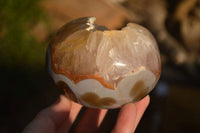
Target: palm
(59, 118)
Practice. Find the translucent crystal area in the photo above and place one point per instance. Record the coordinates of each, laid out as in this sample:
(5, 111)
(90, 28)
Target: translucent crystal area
(110, 55)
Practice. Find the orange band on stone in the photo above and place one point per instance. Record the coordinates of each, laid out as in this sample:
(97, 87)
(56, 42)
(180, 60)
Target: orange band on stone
(78, 78)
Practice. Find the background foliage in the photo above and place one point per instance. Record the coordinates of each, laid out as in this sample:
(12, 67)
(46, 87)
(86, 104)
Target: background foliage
(17, 44)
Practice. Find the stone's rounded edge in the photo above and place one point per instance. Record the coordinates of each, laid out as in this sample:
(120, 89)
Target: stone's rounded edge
(71, 27)
(59, 77)
(100, 107)
(92, 100)
(133, 25)
(67, 90)
(127, 85)
(140, 29)
(143, 31)
(84, 23)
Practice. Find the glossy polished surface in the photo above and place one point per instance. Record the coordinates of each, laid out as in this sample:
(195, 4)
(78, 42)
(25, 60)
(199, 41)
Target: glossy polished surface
(101, 68)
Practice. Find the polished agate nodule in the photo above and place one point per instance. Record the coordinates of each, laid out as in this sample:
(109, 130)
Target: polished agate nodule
(103, 68)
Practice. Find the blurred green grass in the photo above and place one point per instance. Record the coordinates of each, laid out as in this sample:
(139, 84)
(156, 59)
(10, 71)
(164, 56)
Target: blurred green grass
(26, 87)
(17, 45)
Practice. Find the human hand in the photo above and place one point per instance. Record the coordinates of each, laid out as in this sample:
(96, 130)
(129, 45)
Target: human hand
(59, 117)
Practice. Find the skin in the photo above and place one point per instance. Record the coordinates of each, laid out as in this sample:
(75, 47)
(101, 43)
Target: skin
(59, 117)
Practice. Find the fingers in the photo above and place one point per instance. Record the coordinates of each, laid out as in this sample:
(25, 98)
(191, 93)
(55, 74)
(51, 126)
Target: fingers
(60, 116)
(91, 121)
(74, 111)
(130, 115)
(141, 107)
(126, 119)
(49, 119)
(66, 125)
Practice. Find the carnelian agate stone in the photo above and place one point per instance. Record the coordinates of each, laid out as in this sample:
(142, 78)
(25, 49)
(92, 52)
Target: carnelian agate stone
(101, 68)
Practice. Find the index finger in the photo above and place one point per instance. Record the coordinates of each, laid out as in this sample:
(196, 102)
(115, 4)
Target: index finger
(130, 115)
